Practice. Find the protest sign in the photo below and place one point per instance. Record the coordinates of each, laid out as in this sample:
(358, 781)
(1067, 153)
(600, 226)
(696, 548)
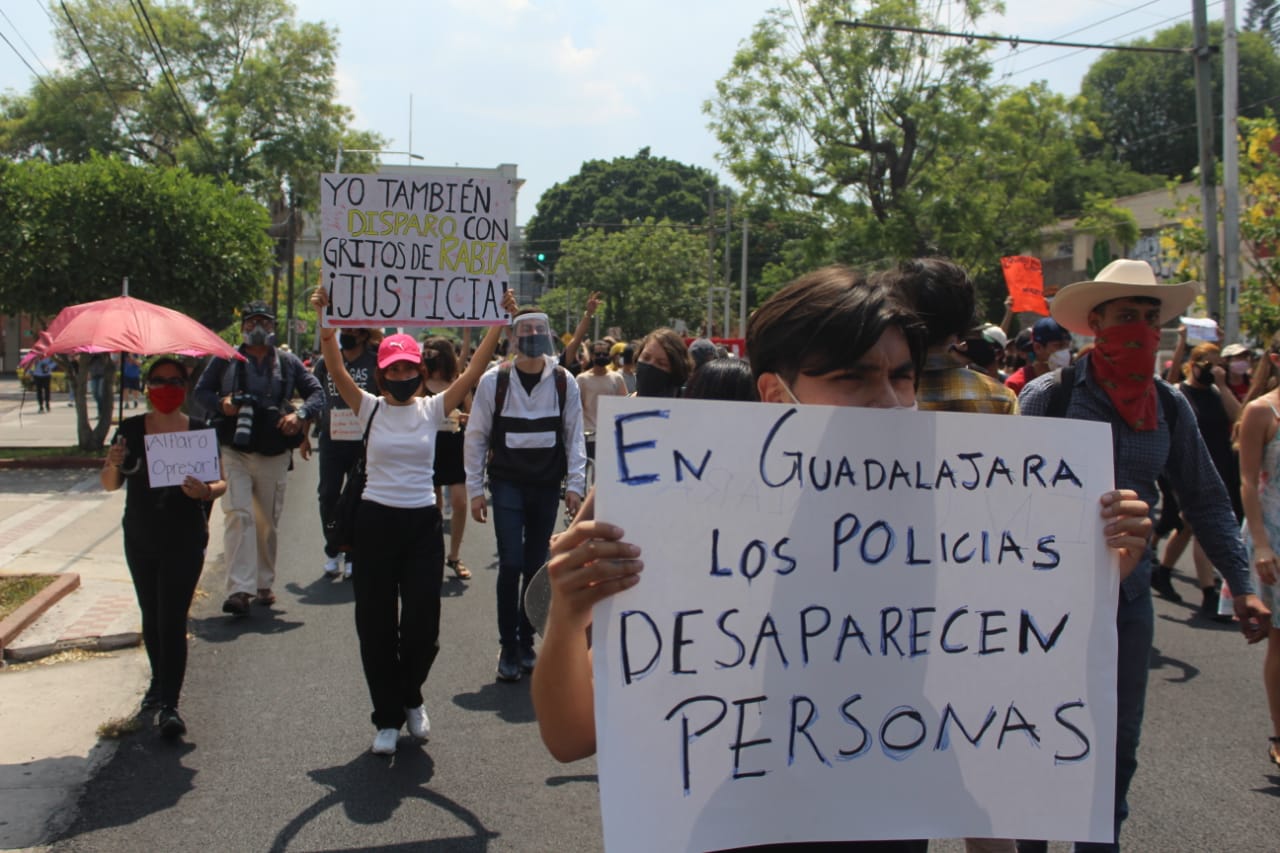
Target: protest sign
(415, 249)
(1200, 329)
(172, 456)
(1024, 278)
(853, 624)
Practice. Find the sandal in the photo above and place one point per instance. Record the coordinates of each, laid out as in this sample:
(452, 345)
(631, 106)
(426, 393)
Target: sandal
(265, 597)
(1274, 751)
(460, 571)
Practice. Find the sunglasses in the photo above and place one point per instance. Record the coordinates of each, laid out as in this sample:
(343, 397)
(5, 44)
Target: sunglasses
(161, 382)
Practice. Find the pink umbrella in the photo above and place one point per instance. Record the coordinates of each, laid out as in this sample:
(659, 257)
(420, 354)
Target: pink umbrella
(125, 324)
(37, 351)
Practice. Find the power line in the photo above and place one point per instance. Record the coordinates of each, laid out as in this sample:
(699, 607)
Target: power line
(1014, 40)
(1116, 47)
(170, 79)
(30, 49)
(97, 73)
(1015, 51)
(16, 53)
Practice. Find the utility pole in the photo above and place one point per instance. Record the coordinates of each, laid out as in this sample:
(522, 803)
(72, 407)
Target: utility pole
(292, 238)
(742, 296)
(1208, 189)
(711, 259)
(1230, 170)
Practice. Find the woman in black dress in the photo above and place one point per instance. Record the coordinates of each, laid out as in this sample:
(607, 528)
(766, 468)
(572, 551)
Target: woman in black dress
(442, 368)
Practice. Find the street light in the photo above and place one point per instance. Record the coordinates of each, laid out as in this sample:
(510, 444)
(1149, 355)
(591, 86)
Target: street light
(337, 166)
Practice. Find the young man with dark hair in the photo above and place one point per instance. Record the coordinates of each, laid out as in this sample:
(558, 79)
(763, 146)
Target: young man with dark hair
(828, 338)
(943, 297)
(1050, 350)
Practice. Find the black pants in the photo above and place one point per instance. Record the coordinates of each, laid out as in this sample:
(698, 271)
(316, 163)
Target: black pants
(401, 562)
(335, 461)
(165, 573)
(42, 390)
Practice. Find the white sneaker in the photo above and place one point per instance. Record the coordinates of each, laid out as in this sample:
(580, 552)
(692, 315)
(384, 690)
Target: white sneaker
(416, 721)
(346, 572)
(384, 742)
(333, 567)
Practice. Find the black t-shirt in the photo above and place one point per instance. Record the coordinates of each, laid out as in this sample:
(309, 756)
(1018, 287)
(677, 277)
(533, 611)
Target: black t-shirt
(166, 513)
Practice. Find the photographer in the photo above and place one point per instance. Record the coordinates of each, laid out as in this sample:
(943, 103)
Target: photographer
(257, 427)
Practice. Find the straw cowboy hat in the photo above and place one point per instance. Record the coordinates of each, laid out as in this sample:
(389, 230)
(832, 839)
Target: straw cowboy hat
(1120, 280)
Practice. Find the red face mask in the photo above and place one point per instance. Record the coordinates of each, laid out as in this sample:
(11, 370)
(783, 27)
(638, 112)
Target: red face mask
(1124, 366)
(166, 398)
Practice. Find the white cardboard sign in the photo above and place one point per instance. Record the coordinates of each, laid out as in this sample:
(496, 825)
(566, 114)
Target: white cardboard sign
(853, 624)
(172, 456)
(419, 249)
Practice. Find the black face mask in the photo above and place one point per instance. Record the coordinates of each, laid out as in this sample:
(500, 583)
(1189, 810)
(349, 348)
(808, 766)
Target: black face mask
(402, 389)
(1204, 375)
(534, 345)
(601, 359)
(653, 381)
(346, 340)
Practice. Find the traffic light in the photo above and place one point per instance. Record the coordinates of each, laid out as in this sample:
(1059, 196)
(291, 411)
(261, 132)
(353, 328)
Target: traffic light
(541, 257)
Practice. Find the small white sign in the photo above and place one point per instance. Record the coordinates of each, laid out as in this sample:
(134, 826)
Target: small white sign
(173, 456)
(1200, 329)
(344, 425)
(853, 624)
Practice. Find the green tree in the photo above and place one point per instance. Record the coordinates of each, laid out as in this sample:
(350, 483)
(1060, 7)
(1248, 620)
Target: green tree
(1144, 105)
(1264, 16)
(1113, 228)
(254, 104)
(70, 233)
(605, 192)
(650, 274)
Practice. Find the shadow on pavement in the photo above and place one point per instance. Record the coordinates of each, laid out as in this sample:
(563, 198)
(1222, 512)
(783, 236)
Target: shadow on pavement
(588, 778)
(370, 788)
(1274, 788)
(168, 780)
(1159, 661)
(510, 702)
(225, 629)
(322, 591)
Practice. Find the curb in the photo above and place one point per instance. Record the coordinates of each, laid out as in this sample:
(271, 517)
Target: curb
(13, 625)
(49, 462)
(109, 643)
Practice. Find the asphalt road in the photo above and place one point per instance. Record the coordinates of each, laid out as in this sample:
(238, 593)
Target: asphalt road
(277, 756)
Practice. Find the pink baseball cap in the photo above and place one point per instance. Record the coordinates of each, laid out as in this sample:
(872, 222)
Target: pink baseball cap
(398, 348)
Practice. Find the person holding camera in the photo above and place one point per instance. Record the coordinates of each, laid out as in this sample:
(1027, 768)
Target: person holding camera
(257, 427)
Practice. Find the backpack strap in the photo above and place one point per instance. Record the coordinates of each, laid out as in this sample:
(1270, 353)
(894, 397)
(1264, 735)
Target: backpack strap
(1064, 381)
(500, 393)
(562, 382)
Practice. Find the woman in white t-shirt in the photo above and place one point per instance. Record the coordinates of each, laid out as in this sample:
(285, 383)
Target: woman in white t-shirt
(399, 537)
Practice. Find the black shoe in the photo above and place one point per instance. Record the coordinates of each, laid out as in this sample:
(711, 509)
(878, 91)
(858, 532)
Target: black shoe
(1162, 582)
(170, 724)
(151, 701)
(1209, 606)
(528, 657)
(509, 664)
(237, 604)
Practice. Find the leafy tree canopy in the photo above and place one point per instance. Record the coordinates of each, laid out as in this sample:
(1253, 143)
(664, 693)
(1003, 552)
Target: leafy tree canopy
(608, 192)
(650, 274)
(255, 100)
(69, 233)
(1264, 16)
(1144, 105)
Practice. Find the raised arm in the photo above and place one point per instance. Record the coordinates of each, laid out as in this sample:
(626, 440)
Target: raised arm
(457, 392)
(593, 302)
(348, 390)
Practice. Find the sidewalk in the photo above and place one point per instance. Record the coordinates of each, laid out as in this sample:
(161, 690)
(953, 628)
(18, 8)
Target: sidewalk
(60, 521)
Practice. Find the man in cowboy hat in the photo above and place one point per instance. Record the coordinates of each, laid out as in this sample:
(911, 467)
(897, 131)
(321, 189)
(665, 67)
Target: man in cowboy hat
(1153, 432)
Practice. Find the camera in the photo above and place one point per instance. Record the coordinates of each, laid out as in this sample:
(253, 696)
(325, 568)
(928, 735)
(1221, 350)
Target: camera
(244, 421)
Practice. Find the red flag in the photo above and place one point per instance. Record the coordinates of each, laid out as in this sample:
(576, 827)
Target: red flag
(1025, 280)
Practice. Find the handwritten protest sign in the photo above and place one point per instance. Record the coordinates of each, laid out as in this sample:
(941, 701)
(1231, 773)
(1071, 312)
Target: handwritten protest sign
(1200, 329)
(415, 249)
(172, 456)
(853, 624)
(1024, 277)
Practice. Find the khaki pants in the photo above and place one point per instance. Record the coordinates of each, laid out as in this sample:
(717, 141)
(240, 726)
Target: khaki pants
(252, 505)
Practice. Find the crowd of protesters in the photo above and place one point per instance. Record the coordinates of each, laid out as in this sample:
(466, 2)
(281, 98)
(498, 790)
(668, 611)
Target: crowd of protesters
(511, 437)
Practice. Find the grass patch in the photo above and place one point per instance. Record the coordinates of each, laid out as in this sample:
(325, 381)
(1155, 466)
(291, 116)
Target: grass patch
(50, 452)
(17, 590)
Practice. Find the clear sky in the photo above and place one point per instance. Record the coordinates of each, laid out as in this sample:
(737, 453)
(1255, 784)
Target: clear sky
(548, 84)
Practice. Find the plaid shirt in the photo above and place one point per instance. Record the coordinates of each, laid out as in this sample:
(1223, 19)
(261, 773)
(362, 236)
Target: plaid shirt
(948, 387)
(1140, 457)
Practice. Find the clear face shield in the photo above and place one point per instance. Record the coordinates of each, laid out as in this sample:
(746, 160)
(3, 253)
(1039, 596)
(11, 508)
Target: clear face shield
(533, 335)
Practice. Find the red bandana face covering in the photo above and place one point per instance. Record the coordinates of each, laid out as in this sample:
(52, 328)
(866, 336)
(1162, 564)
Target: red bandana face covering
(166, 398)
(1123, 362)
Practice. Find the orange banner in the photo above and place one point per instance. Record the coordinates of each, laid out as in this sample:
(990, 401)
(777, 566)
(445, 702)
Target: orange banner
(1025, 280)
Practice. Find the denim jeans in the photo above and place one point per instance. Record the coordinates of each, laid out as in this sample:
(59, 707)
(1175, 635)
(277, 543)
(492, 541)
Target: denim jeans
(523, 518)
